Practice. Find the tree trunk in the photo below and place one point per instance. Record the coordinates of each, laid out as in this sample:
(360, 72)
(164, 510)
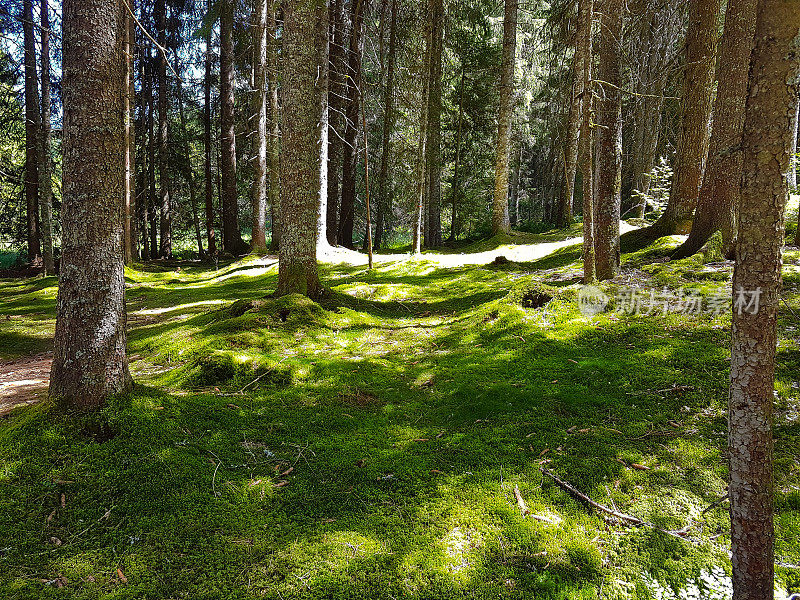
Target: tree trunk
(514, 193)
(766, 140)
(151, 162)
(500, 220)
(573, 129)
(231, 236)
(273, 147)
(421, 175)
(45, 174)
(32, 131)
(384, 184)
(698, 95)
(164, 185)
(352, 118)
(584, 49)
(142, 207)
(302, 132)
(719, 194)
(322, 86)
(207, 148)
(609, 145)
(433, 145)
(336, 95)
(127, 120)
(89, 361)
(258, 190)
(146, 102)
(187, 158)
(454, 188)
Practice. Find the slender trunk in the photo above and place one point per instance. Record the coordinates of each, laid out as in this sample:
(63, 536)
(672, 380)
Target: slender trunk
(142, 209)
(698, 95)
(32, 131)
(151, 167)
(207, 148)
(564, 218)
(515, 186)
(187, 159)
(45, 175)
(719, 194)
(500, 220)
(433, 145)
(421, 175)
(585, 16)
(336, 96)
(609, 145)
(164, 185)
(302, 129)
(273, 147)
(352, 112)
(368, 236)
(89, 361)
(258, 110)
(127, 116)
(770, 112)
(231, 236)
(454, 188)
(145, 101)
(322, 85)
(384, 195)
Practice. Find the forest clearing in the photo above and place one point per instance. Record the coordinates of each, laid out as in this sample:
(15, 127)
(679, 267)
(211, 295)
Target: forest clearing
(422, 299)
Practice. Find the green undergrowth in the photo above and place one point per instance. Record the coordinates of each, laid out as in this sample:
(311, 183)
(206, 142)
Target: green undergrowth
(368, 444)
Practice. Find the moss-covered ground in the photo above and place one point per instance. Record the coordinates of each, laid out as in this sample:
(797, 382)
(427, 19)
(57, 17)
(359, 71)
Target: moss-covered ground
(368, 445)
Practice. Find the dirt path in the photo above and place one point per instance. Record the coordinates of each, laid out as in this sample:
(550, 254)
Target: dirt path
(24, 381)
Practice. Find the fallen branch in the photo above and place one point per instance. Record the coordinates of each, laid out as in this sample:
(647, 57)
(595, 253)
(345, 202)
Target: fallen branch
(520, 502)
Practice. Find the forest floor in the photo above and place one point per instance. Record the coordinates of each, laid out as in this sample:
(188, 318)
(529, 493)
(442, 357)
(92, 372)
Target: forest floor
(384, 441)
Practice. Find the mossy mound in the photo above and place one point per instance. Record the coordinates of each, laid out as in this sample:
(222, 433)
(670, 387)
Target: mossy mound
(224, 368)
(294, 311)
(532, 294)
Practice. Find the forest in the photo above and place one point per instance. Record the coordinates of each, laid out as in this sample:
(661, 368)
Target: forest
(383, 299)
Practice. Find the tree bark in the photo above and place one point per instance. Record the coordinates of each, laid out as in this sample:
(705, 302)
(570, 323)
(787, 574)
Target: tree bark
(337, 91)
(454, 187)
(352, 112)
(422, 171)
(322, 85)
(770, 113)
(302, 135)
(231, 236)
(151, 162)
(45, 173)
(698, 95)
(32, 131)
(433, 145)
(89, 361)
(164, 184)
(207, 147)
(500, 220)
(609, 144)
(127, 120)
(584, 49)
(574, 116)
(187, 159)
(719, 193)
(384, 183)
(258, 190)
(273, 147)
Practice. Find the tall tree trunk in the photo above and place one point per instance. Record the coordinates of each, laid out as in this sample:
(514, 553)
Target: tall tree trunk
(766, 140)
(187, 158)
(164, 185)
(128, 148)
(322, 85)
(273, 147)
(584, 49)
(573, 129)
(302, 129)
(142, 247)
(32, 131)
(384, 184)
(609, 145)
(258, 109)
(433, 145)
(151, 162)
(207, 147)
(89, 361)
(514, 193)
(719, 194)
(422, 171)
(698, 95)
(337, 91)
(500, 220)
(145, 102)
(352, 118)
(455, 187)
(231, 236)
(45, 174)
